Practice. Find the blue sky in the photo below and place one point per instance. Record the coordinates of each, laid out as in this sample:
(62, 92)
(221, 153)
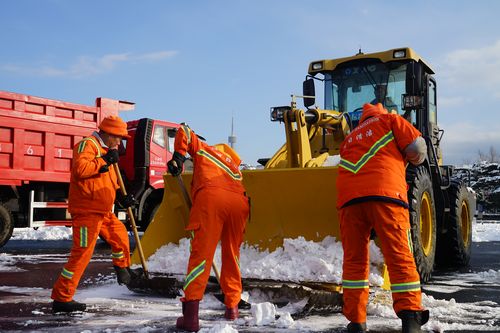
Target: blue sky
(202, 62)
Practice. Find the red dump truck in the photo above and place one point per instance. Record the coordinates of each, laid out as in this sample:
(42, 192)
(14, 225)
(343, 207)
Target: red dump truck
(37, 136)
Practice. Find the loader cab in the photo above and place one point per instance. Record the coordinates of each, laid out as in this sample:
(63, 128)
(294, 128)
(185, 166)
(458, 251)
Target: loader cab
(351, 85)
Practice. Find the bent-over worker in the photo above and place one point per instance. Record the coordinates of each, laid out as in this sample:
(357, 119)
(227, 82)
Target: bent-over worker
(371, 188)
(92, 194)
(219, 212)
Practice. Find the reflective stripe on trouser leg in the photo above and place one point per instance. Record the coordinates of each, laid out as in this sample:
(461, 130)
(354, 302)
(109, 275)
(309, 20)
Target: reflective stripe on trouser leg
(204, 220)
(405, 287)
(83, 227)
(355, 284)
(355, 235)
(392, 225)
(231, 238)
(197, 271)
(115, 234)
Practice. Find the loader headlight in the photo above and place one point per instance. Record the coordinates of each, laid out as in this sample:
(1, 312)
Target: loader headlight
(399, 54)
(277, 112)
(316, 66)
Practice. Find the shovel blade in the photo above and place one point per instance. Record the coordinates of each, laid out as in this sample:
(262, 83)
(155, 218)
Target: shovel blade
(242, 305)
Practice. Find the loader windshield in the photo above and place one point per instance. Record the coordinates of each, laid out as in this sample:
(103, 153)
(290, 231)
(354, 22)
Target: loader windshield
(347, 88)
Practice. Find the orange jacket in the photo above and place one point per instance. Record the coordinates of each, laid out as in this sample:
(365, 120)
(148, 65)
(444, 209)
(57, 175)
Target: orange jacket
(212, 168)
(372, 161)
(89, 190)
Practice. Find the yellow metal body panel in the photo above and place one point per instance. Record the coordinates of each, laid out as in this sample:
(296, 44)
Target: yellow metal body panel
(385, 56)
(285, 203)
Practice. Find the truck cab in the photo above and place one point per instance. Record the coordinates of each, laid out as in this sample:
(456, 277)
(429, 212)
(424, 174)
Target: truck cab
(143, 162)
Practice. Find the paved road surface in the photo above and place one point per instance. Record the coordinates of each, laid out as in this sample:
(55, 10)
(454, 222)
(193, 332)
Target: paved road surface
(42, 261)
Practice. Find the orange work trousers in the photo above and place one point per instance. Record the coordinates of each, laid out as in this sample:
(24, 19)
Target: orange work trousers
(217, 214)
(86, 229)
(391, 223)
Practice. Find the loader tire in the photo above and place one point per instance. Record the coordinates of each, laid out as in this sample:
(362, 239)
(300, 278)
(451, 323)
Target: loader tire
(454, 246)
(422, 220)
(6, 225)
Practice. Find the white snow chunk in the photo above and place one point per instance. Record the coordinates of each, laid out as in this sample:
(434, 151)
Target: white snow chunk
(263, 313)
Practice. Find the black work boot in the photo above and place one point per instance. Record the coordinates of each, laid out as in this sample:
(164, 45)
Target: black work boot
(122, 275)
(356, 327)
(412, 320)
(70, 306)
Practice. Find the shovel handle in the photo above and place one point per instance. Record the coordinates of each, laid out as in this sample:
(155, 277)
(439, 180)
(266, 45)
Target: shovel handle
(187, 198)
(132, 221)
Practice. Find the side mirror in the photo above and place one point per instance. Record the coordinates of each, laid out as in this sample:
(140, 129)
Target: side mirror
(414, 79)
(308, 90)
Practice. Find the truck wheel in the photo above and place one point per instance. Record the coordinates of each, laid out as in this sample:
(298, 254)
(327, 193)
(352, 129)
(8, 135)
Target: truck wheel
(422, 221)
(6, 225)
(454, 246)
(151, 206)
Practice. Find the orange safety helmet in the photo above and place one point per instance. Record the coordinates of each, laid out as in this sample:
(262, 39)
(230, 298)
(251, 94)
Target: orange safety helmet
(114, 125)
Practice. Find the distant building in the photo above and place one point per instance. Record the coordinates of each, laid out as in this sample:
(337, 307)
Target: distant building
(231, 140)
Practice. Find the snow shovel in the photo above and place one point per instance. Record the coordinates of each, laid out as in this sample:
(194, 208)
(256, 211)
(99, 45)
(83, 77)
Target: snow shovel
(132, 221)
(242, 304)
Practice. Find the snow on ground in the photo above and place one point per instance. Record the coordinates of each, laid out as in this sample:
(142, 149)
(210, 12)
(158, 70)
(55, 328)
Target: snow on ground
(113, 308)
(485, 231)
(297, 260)
(42, 233)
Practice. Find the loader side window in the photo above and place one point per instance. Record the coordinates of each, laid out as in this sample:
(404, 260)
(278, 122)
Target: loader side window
(432, 103)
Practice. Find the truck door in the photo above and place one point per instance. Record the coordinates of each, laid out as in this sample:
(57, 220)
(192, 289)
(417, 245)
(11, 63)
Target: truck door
(158, 157)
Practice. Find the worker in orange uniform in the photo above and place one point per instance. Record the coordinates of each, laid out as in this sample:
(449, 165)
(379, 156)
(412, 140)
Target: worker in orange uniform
(219, 212)
(92, 194)
(371, 189)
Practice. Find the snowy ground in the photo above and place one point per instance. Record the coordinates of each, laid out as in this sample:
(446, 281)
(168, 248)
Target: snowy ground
(114, 308)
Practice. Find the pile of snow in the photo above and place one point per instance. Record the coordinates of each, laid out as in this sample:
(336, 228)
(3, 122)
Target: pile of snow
(486, 231)
(490, 276)
(43, 233)
(298, 260)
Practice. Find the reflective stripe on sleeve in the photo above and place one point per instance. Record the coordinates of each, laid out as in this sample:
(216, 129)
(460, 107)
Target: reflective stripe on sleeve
(82, 144)
(187, 130)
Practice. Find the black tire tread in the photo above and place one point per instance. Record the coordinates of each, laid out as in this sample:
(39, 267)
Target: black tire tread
(452, 251)
(419, 180)
(6, 224)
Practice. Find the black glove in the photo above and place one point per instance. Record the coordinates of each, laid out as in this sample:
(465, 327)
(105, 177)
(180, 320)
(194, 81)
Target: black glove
(111, 156)
(104, 168)
(175, 164)
(126, 201)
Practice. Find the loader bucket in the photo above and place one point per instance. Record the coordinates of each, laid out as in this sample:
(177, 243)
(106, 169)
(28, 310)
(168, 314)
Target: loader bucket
(285, 203)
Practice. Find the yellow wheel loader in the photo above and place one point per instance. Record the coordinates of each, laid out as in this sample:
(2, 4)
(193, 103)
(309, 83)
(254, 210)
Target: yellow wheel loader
(295, 193)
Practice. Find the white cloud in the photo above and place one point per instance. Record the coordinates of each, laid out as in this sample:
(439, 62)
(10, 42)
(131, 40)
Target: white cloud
(450, 102)
(466, 133)
(472, 69)
(463, 141)
(85, 66)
